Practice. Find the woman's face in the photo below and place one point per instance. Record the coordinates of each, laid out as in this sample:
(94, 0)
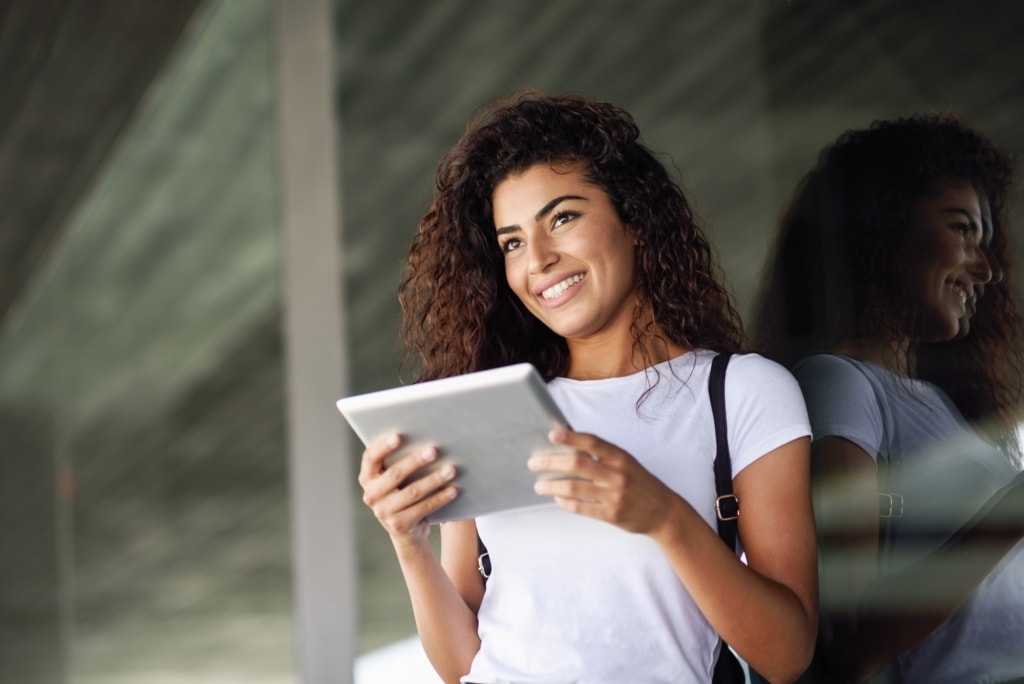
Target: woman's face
(568, 257)
(944, 266)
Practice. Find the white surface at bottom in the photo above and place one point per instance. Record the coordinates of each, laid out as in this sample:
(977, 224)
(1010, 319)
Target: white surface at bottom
(403, 661)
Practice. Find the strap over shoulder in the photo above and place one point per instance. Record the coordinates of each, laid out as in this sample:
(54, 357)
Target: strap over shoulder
(727, 506)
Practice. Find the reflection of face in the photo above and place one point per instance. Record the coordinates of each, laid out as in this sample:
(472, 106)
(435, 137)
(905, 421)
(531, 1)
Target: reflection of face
(568, 256)
(944, 265)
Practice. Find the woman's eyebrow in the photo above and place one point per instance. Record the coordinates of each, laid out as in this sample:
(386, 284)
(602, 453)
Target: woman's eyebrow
(542, 213)
(554, 203)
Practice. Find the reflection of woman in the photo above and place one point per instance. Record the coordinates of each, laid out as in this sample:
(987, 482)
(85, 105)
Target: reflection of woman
(892, 250)
(555, 238)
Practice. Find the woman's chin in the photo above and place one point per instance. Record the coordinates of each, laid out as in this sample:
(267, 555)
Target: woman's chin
(948, 330)
(964, 327)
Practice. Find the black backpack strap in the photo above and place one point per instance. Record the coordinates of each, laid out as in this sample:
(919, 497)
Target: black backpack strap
(727, 506)
(483, 559)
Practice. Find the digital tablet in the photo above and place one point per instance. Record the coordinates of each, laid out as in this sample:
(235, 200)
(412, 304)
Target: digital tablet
(487, 423)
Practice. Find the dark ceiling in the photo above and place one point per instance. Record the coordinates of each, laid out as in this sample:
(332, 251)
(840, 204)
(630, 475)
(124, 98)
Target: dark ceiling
(72, 73)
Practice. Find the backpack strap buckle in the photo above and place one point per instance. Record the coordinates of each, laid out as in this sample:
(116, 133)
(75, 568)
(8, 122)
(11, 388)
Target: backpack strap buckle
(890, 505)
(483, 564)
(727, 507)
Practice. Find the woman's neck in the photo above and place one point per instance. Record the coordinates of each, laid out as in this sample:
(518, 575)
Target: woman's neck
(896, 355)
(598, 358)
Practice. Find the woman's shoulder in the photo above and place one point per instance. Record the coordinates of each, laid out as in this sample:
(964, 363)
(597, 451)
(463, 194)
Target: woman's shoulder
(764, 405)
(833, 368)
(747, 372)
(753, 366)
(846, 398)
(755, 378)
(839, 385)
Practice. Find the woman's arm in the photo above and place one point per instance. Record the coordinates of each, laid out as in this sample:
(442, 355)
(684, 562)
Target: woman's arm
(876, 618)
(767, 611)
(444, 603)
(445, 619)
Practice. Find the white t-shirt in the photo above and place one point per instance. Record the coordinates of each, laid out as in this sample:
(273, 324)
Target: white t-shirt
(947, 471)
(572, 599)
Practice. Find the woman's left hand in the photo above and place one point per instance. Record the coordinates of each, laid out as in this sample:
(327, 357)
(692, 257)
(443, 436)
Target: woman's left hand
(600, 480)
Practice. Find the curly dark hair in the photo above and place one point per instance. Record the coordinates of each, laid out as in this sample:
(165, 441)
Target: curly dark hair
(459, 314)
(834, 274)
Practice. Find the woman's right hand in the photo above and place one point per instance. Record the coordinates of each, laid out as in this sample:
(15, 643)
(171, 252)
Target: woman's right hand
(402, 510)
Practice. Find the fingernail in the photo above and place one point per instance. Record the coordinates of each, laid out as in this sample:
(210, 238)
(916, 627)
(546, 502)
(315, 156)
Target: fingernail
(557, 435)
(392, 440)
(448, 471)
(428, 454)
(533, 463)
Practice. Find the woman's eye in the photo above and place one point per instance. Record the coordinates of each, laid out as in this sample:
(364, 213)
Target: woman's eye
(563, 217)
(510, 245)
(963, 228)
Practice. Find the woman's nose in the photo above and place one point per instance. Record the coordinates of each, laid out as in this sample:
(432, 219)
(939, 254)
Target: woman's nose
(540, 253)
(980, 267)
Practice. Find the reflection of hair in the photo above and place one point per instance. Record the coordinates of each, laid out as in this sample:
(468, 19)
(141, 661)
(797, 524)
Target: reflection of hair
(834, 273)
(459, 315)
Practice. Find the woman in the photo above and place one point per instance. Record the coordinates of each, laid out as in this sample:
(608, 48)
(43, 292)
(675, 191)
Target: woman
(890, 298)
(556, 238)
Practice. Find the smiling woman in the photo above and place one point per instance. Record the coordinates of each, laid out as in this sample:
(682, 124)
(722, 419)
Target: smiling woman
(561, 241)
(571, 262)
(889, 296)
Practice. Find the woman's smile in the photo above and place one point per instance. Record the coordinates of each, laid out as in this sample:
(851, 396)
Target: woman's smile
(562, 291)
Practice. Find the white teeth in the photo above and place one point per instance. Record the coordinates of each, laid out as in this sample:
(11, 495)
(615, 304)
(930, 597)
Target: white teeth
(559, 288)
(961, 291)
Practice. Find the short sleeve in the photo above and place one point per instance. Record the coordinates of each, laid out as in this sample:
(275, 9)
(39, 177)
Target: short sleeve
(764, 408)
(841, 402)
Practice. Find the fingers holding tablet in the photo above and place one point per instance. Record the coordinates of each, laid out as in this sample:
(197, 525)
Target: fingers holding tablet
(403, 489)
